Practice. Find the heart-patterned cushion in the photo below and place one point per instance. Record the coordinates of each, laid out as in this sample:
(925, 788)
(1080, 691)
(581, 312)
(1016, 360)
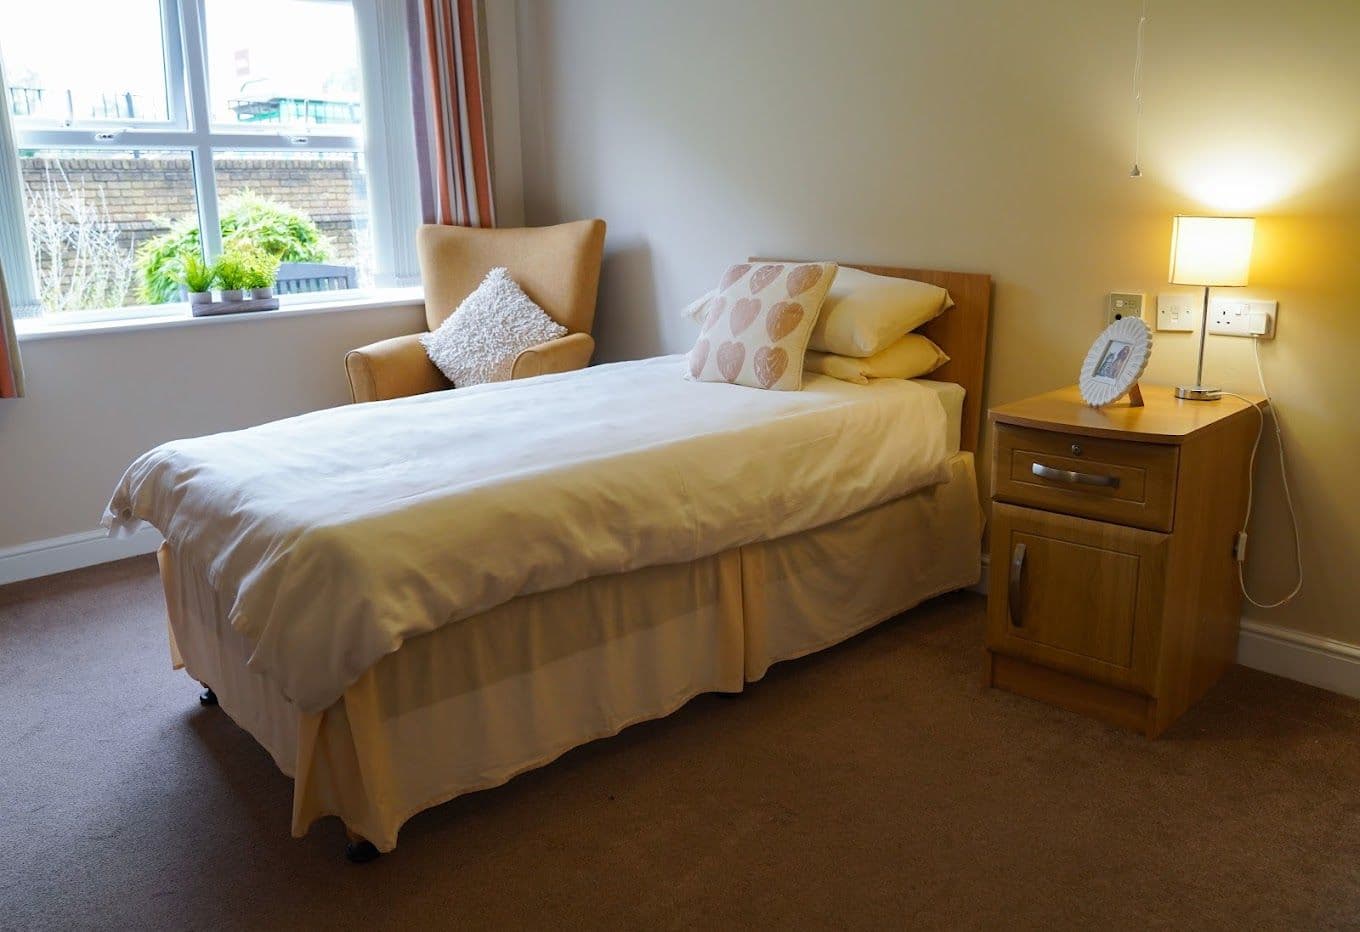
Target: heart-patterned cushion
(770, 364)
(730, 358)
(763, 276)
(744, 313)
(759, 322)
(783, 319)
(698, 357)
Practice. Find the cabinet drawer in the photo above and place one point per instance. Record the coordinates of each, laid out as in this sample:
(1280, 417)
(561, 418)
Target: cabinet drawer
(1076, 595)
(1109, 480)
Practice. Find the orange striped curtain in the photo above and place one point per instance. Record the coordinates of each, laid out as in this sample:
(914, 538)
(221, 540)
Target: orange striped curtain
(452, 148)
(14, 247)
(11, 375)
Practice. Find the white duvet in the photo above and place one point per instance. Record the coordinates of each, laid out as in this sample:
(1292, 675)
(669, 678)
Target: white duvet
(337, 535)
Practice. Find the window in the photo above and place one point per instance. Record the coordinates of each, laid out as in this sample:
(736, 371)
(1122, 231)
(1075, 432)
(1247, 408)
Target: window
(166, 128)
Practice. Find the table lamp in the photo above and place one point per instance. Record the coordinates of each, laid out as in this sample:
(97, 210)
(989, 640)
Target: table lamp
(1209, 251)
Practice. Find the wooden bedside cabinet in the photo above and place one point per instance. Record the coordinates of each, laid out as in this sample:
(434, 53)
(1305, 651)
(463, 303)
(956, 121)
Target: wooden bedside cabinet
(1113, 587)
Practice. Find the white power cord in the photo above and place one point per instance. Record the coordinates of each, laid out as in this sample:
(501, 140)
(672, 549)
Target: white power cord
(1241, 547)
(1136, 171)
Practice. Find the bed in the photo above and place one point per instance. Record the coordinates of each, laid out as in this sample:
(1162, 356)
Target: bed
(376, 721)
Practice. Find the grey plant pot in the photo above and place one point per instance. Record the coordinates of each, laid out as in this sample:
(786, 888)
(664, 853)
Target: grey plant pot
(262, 294)
(233, 294)
(200, 297)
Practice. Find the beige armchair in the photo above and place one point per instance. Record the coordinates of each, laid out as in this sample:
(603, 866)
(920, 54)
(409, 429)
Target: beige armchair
(558, 267)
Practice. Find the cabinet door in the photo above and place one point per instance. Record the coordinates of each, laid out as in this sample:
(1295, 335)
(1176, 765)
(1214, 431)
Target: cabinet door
(1077, 595)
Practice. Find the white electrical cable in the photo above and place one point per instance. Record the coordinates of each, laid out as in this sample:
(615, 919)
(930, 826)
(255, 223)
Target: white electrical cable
(1251, 482)
(1137, 172)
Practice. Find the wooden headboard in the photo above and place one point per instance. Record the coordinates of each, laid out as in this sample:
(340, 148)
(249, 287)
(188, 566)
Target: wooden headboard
(960, 331)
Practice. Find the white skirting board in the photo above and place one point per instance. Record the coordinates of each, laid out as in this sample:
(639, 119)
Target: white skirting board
(1310, 659)
(71, 552)
(1307, 658)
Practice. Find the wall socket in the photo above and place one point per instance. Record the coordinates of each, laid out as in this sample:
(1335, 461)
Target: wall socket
(1121, 304)
(1236, 318)
(1179, 311)
(1228, 316)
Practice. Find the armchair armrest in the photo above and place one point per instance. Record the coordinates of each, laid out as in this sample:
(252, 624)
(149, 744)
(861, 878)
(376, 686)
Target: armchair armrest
(392, 368)
(564, 354)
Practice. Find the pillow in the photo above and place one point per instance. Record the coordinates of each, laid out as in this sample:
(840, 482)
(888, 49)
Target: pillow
(479, 341)
(909, 358)
(697, 310)
(865, 313)
(757, 327)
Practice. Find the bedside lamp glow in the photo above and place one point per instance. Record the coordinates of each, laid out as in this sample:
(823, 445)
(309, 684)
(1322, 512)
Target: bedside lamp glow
(1210, 252)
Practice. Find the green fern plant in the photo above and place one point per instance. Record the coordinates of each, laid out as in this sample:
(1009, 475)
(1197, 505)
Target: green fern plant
(195, 274)
(233, 271)
(249, 222)
(261, 269)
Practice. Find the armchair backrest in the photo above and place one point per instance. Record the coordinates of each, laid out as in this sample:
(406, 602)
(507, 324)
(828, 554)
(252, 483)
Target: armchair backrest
(558, 267)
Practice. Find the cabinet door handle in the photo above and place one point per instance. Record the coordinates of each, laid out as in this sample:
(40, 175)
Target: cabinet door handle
(1074, 478)
(1017, 571)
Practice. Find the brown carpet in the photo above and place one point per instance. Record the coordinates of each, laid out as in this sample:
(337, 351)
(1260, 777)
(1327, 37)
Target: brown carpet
(872, 785)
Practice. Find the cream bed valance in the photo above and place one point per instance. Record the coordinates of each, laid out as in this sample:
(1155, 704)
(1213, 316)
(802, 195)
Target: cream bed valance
(335, 536)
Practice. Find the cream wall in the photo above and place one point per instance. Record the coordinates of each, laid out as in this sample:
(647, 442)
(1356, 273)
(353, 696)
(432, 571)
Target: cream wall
(500, 67)
(993, 136)
(97, 401)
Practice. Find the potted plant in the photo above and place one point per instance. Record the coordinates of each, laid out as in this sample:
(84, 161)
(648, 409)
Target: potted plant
(197, 277)
(262, 270)
(233, 274)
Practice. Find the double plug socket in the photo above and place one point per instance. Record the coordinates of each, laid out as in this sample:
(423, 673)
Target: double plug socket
(1228, 316)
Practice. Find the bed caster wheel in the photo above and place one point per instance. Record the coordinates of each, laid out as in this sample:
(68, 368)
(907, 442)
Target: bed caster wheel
(207, 697)
(361, 852)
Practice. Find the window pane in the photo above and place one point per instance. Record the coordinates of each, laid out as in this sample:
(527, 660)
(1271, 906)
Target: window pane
(107, 227)
(83, 61)
(284, 63)
(302, 207)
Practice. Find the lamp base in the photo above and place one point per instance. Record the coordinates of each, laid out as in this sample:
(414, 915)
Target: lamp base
(1198, 393)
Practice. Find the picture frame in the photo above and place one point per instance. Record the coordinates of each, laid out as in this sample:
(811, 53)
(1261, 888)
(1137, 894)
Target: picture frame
(1114, 364)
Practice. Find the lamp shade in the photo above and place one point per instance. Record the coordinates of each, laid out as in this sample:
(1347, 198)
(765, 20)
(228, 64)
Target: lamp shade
(1211, 250)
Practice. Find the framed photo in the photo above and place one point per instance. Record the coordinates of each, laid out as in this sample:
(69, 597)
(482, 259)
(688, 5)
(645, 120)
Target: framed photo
(1115, 362)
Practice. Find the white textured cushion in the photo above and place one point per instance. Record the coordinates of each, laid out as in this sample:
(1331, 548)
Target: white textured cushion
(479, 341)
(865, 313)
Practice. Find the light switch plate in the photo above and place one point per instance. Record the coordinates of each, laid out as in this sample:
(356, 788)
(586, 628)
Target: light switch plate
(1237, 318)
(1178, 311)
(1121, 304)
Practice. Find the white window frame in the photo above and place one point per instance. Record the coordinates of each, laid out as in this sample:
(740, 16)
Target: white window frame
(387, 142)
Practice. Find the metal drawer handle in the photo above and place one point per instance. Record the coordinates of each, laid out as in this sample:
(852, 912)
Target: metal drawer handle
(1017, 571)
(1074, 478)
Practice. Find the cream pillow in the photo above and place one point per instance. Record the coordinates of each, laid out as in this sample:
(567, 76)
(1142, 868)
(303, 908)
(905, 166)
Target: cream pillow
(866, 313)
(757, 327)
(480, 341)
(909, 358)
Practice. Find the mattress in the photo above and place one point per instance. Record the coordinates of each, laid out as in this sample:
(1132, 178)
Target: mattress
(951, 395)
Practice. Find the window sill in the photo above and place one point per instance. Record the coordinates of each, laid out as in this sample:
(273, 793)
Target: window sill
(51, 328)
